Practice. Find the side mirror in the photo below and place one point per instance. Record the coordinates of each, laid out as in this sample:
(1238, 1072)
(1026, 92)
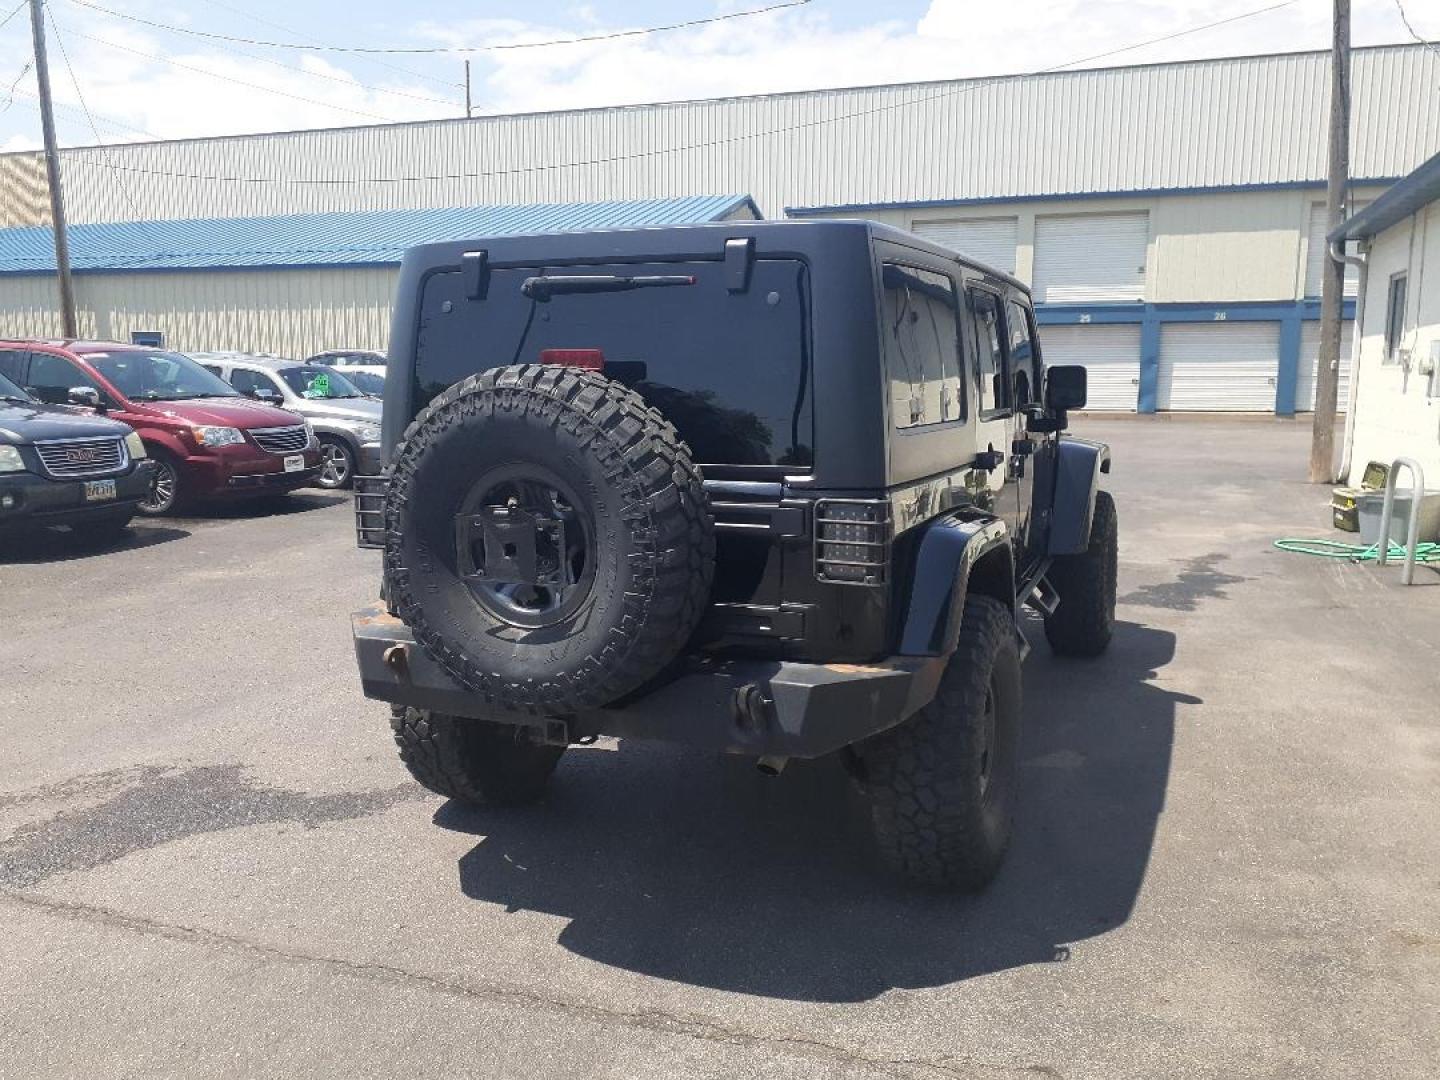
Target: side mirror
(261, 393)
(84, 395)
(1065, 388)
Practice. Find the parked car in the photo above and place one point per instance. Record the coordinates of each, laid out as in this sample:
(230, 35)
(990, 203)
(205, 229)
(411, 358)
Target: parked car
(61, 465)
(348, 360)
(207, 441)
(346, 420)
(780, 489)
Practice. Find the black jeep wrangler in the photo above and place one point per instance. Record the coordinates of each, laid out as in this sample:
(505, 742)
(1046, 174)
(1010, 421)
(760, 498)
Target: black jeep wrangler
(779, 489)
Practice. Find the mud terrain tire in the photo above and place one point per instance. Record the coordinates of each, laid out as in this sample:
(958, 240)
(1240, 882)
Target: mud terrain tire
(638, 538)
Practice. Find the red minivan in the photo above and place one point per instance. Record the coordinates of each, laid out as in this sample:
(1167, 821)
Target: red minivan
(206, 440)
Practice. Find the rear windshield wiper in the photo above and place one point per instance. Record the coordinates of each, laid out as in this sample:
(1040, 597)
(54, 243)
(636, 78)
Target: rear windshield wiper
(543, 288)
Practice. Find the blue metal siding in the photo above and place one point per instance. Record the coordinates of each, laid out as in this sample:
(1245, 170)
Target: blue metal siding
(367, 238)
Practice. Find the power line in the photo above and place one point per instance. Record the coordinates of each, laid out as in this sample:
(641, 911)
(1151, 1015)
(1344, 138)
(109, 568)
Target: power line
(1404, 18)
(421, 50)
(10, 94)
(449, 84)
(80, 94)
(104, 121)
(239, 82)
(13, 12)
(353, 83)
(954, 91)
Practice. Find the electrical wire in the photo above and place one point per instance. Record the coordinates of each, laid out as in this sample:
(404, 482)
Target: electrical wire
(13, 12)
(423, 50)
(80, 95)
(10, 94)
(1404, 18)
(111, 122)
(954, 91)
(241, 82)
(350, 82)
(411, 72)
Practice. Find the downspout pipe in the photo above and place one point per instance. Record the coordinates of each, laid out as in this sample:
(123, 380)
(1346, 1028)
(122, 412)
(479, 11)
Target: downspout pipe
(1361, 261)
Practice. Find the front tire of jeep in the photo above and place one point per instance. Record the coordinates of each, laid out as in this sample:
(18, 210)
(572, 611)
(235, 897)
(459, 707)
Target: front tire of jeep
(939, 788)
(473, 761)
(1084, 621)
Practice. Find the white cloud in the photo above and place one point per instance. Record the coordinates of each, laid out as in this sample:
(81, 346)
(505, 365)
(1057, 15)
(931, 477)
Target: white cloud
(788, 50)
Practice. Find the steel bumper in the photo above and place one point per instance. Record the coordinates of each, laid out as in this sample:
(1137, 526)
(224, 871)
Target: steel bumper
(737, 706)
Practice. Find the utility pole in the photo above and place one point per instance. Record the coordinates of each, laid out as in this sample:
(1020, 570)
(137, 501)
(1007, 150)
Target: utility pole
(1332, 291)
(467, 89)
(52, 172)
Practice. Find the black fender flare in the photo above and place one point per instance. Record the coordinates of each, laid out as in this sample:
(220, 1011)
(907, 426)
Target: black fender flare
(946, 552)
(1078, 465)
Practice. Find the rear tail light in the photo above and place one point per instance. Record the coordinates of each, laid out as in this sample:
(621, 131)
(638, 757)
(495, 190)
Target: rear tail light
(586, 359)
(852, 541)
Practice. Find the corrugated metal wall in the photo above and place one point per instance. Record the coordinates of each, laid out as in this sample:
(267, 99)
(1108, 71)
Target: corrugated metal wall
(289, 312)
(1254, 120)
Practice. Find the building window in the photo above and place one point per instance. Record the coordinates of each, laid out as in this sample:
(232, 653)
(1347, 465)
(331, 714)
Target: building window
(1395, 318)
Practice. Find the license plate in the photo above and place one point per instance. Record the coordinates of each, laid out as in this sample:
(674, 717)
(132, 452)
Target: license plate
(99, 490)
(295, 463)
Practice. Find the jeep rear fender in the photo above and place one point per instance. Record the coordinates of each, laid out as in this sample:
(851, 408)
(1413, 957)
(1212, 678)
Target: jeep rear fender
(1078, 465)
(954, 556)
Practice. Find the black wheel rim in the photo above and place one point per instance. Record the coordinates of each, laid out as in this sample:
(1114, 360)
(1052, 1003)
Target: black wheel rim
(162, 489)
(534, 490)
(334, 465)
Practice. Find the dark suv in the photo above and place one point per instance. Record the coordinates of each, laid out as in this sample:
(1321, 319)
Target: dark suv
(63, 466)
(780, 489)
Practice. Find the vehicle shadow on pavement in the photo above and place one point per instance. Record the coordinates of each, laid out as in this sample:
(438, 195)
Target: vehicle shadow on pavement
(674, 864)
(65, 545)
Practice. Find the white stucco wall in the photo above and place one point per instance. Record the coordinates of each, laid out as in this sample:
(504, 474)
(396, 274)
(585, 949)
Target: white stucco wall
(1396, 406)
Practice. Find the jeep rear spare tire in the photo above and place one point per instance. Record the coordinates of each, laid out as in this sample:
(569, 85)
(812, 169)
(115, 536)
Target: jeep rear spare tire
(548, 539)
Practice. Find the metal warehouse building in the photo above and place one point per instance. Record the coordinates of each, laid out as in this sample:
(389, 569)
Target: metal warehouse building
(1168, 217)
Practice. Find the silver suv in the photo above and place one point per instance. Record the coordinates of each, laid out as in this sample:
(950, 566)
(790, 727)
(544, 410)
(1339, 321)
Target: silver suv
(346, 420)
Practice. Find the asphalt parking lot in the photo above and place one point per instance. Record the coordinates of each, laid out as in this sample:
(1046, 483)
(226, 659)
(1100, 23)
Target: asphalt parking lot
(1227, 862)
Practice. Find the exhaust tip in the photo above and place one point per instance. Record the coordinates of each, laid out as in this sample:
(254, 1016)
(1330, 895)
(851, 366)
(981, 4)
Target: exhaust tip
(772, 764)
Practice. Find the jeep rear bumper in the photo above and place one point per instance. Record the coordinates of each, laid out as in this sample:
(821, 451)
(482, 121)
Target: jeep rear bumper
(737, 706)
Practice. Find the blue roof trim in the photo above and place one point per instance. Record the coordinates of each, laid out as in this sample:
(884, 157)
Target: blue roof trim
(1077, 196)
(1408, 196)
(361, 238)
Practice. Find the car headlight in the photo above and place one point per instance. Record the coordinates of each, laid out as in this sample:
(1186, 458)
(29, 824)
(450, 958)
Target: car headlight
(134, 444)
(365, 433)
(10, 460)
(218, 436)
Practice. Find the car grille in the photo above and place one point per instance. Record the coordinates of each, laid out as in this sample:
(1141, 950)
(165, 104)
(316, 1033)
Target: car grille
(82, 457)
(281, 440)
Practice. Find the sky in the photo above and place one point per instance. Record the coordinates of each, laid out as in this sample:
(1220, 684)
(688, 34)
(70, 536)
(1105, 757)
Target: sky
(143, 81)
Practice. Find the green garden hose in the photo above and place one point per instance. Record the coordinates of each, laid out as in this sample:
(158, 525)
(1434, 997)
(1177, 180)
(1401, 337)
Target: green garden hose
(1334, 549)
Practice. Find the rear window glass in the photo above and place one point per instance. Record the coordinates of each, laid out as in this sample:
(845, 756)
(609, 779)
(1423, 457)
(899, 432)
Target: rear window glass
(729, 369)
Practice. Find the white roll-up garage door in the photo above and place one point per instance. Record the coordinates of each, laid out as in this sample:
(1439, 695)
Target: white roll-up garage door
(1110, 355)
(1218, 366)
(1090, 258)
(987, 240)
(1310, 359)
(1315, 254)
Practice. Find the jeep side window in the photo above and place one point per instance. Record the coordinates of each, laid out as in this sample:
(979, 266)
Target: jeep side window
(921, 336)
(1024, 360)
(989, 354)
